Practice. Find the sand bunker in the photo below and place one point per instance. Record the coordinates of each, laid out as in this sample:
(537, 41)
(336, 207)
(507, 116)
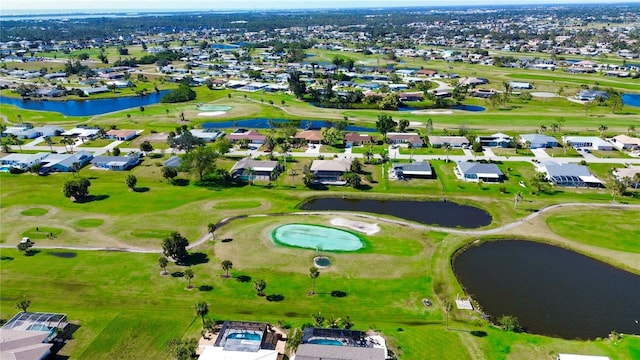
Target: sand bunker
(211, 113)
(432, 112)
(359, 226)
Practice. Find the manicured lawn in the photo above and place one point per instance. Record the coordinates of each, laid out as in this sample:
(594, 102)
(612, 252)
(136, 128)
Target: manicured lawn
(511, 152)
(97, 143)
(430, 151)
(241, 204)
(34, 212)
(42, 233)
(562, 152)
(611, 229)
(89, 223)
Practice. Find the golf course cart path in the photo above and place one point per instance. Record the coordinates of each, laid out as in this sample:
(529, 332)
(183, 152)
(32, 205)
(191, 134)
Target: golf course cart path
(208, 236)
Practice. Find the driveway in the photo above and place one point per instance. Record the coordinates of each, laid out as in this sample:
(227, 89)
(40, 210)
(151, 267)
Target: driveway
(540, 153)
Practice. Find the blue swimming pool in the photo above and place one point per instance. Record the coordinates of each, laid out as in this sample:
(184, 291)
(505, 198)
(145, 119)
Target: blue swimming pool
(325, 341)
(245, 336)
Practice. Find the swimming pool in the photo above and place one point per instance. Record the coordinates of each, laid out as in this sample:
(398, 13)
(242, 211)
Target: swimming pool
(325, 341)
(245, 336)
(316, 237)
(4, 169)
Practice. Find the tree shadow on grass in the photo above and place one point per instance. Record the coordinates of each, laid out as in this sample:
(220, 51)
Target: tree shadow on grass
(226, 240)
(141, 189)
(32, 252)
(180, 182)
(243, 278)
(205, 287)
(338, 293)
(6, 258)
(195, 259)
(92, 198)
(177, 274)
(275, 297)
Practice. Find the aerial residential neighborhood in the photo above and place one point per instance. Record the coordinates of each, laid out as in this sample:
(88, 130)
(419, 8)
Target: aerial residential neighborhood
(319, 181)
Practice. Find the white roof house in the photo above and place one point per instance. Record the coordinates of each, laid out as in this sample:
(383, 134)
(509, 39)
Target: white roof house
(238, 340)
(23, 161)
(84, 133)
(625, 142)
(591, 142)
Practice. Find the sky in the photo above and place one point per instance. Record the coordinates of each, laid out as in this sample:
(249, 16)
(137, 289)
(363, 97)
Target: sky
(65, 5)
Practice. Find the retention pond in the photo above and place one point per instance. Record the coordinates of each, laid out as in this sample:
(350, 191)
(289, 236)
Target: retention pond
(440, 213)
(552, 291)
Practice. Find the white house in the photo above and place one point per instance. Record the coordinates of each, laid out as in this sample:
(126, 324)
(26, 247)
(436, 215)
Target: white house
(22, 161)
(624, 142)
(589, 142)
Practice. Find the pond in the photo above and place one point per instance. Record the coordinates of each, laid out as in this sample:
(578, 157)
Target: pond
(263, 123)
(87, 107)
(316, 237)
(440, 213)
(631, 99)
(552, 291)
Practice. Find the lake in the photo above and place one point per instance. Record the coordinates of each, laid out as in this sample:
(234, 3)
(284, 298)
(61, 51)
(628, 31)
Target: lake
(440, 213)
(87, 107)
(631, 99)
(552, 291)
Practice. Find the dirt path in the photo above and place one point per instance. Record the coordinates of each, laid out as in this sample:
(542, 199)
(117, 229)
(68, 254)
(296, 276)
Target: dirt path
(471, 232)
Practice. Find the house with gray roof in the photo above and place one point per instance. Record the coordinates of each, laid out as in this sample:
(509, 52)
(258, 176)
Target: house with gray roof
(537, 141)
(248, 169)
(116, 163)
(418, 169)
(172, 162)
(476, 172)
(340, 344)
(22, 161)
(330, 172)
(589, 142)
(452, 141)
(65, 162)
(568, 174)
(495, 140)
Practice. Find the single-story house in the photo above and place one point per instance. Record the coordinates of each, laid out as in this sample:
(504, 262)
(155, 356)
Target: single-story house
(116, 163)
(517, 85)
(590, 142)
(355, 139)
(537, 141)
(320, 344)
(411, 96)
(239, 340)
(23, 161)
(475, 172)
(495, 140)
(630, 173)
(29, 335)
(452, 141)
(172, 162)
(207, 134)
(568, 174)
(65, 162)
(82, 133)
(590, 95)
(27, 131)
(411, 139)
(311, 136)
(253, 136)
(418, 169)
(330, 172)
(122, 135)
(625, 142)
(483, 93)
(262, 170)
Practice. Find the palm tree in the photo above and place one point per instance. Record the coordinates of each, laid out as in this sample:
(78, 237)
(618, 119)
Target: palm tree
(188, 274)
(447, 306)
(318, 319)
(602, 129)
(284, 149)
(163, 262)
(631, 129)
(48, 141)
(293, 173)
(259, 285)
(226, 266)
(14, 140)
(202, 309)
(23, 304)
(313, 274)
(250, 173)
(211, 227)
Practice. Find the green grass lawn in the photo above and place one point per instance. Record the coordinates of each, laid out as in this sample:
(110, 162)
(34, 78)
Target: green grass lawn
(511, 152)
(610, 229)
(429, 151)
(34, 212)
(97, 143)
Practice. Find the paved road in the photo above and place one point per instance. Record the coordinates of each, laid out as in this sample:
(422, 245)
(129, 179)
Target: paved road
(470, 232)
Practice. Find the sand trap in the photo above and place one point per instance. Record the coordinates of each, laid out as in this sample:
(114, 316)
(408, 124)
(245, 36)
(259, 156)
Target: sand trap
(362, 227)
(211, 113)
(432, 112)
(543, 94)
